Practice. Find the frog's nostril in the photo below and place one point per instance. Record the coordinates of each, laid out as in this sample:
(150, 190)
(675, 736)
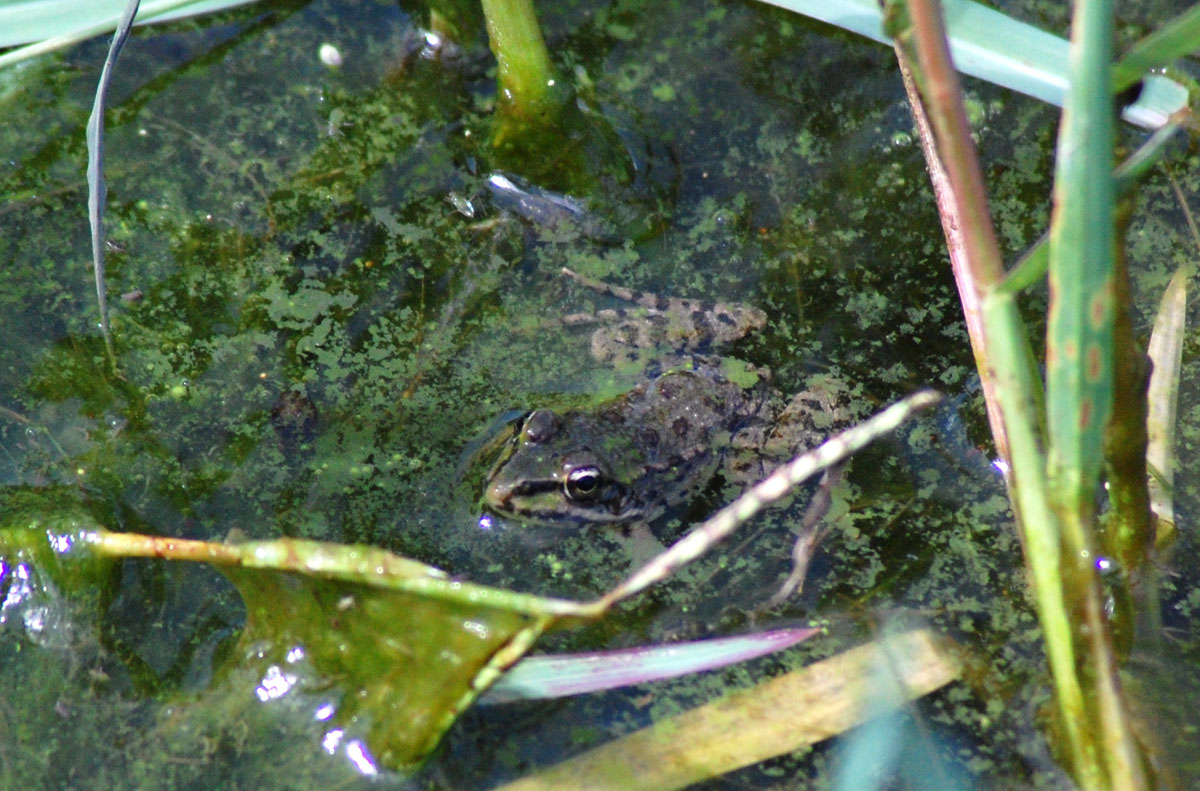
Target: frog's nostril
(499, 495)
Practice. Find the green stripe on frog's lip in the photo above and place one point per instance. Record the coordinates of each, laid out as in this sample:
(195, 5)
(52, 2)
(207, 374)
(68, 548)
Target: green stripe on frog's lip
(541, 514)
(564, 518)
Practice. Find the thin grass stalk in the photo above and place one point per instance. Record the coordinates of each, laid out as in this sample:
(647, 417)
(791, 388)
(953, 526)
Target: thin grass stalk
(770, 489)
(1081, 362)
(1007, 355)
(97, 189)
(1166, 352)
(970, 294)
(958, 181)
(1128, 531)
(1175, 39)
(525, 77)
(1033, 265)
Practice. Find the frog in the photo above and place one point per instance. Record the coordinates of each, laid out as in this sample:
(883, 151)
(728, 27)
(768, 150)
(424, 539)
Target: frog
(692, 413)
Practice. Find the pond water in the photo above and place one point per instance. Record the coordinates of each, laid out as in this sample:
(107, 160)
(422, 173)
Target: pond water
(322, 314)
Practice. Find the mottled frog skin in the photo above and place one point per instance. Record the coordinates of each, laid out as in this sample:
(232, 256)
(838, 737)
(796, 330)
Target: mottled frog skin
(658, 445)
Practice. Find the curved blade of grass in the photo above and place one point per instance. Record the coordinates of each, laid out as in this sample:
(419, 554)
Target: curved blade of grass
(97, 190)
(961, 197)
(56, 24)
(1179, 37)
(991, 46)
(1166, 351)
(25, 21)
(775, 717)
(396, 647)
(1032, 266)
(560, 675)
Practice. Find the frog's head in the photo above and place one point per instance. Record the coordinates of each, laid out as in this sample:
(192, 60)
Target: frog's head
(555, 470)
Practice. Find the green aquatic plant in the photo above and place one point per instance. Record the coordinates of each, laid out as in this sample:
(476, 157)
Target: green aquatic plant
(48, 26)
(540, 129)
(1060, 446)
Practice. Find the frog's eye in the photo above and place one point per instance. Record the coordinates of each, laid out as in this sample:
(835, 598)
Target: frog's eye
(583, 483)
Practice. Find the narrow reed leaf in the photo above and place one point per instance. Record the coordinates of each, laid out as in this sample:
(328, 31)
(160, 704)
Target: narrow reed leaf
(55, 24)
(404, 647)
(774, 487)
(1147, 155)
(1031, 267)
(1079, 344)
(991, 46)
(97, 190)
(1080, 384)
(560, 675)
(1179, 37)
(1166, 350)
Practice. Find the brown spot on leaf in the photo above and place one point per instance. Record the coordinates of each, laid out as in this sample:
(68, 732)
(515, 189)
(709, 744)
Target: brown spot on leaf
(1101, 305)
(1095, 363)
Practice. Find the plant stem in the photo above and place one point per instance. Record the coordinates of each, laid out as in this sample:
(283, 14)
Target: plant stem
(526, 79)
(1055, 538)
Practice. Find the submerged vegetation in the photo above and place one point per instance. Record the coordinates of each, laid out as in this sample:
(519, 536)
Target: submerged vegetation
(335, 232)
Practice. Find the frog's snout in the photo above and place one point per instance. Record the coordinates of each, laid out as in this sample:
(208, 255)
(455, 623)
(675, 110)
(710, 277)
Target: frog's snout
(499, 496)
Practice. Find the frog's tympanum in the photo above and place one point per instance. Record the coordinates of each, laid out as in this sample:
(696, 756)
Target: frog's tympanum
(630, 459)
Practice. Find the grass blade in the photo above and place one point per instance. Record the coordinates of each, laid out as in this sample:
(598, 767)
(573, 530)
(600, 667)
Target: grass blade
(97, 190)
(1079, 364)
(57, 24)
(991, 46)
(1166, 352)
(1080, 376)
(772, 488)
(1175, 39)
(560, 675)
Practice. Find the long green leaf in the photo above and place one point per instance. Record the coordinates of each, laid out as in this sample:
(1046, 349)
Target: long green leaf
(1179, 37)
(55, 24)
(1080, 376)
(1166, 351)
(559, 675)
(1031, 268)
(23, 21)
(991, 46)
(97, 190)
(1079, 364)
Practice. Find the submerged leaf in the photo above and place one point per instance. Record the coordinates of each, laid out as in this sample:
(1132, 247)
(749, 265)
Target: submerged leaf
(404, 647)
(559, 675)
(1165, 351)
(405, 664)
